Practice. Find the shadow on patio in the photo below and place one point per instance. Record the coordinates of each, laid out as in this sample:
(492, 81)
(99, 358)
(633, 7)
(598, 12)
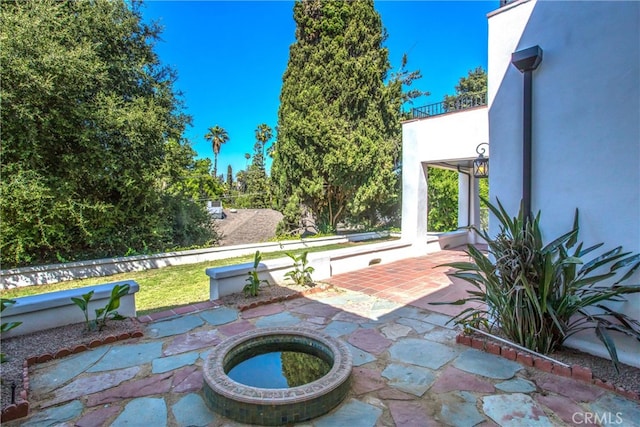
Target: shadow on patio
(413, 281)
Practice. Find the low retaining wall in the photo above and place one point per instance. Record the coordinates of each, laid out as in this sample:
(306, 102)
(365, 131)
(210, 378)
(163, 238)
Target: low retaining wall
(53, 309)
(54, 273)
(232, 278)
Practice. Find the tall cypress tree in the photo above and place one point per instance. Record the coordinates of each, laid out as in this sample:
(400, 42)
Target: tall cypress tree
(339, 122)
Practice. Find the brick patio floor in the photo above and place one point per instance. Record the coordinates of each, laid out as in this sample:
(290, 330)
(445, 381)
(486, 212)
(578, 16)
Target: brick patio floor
(415, 281)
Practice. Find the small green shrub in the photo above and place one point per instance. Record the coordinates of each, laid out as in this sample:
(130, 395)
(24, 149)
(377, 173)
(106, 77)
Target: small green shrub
(540, 295)
(108, 312)
(301, 273)
(253, 281)
(5, 327)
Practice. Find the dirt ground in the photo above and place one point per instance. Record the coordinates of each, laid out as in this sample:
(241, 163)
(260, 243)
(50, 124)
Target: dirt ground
(248, 226)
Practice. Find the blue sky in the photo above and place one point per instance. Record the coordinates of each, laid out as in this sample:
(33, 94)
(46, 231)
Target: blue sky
(230, 57)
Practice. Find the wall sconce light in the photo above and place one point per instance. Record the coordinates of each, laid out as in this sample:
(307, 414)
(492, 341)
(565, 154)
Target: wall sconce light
(481, 164)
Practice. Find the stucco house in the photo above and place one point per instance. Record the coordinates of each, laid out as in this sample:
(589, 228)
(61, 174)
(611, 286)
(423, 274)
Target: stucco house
(584, 133)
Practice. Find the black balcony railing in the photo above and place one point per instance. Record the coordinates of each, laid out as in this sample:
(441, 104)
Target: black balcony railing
(452, 104)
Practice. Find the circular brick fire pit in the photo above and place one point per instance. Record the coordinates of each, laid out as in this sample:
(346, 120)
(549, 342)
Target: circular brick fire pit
(268, 406)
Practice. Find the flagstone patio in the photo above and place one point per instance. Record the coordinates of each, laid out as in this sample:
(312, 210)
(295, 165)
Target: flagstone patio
(408, 369)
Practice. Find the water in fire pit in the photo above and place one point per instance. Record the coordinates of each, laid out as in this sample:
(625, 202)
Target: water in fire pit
(279, 369)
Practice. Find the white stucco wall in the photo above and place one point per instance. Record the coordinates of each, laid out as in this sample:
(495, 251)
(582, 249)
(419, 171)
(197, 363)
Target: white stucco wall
(586, 118)
(447, 138)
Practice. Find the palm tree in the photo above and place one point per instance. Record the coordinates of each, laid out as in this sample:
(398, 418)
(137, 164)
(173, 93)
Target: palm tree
(217, 136)
(263, 134)
(247, 156)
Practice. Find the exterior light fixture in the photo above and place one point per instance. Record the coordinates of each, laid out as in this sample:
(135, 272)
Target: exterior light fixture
(481, 164)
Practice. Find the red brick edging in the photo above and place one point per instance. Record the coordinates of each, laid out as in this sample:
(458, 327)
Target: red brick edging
(21, 409)
(576, 372)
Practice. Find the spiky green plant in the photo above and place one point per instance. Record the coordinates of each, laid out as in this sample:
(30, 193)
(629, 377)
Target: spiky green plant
(539, 294)
(6, 327)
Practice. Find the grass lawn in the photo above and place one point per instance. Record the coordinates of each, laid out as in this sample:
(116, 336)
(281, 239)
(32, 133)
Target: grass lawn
(168, 287)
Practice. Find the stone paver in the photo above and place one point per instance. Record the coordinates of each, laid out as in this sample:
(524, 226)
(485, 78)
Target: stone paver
(99, 417)
(192, 411)
(56, 373)
(147, 411)
(219, 316)
(460, 410)
(91, 384)
(452, 379)
(408, 371)
(187, 379)
(417, 325)
(339, 328)
(515, 410)
(192, 341)
(516, 385)
(176, 326)
(410, 379)
(615, 410)
(564, 408)
(125, 356)
(316, 309)
(487, 365)
(394, 331)
(360, 357)
(369, 340)
(55, 416)
(422, 353)
(352, 413)
(577, 391)
(411, 414)
(172, 363)
(441, 335)
(277, 320)
(365, 380)
(263, 310)
(154, 384)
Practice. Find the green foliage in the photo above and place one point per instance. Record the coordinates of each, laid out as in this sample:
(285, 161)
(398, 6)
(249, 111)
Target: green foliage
(442, 188)
(5, 327)
(229, 177)
(301, 368)
(216, 136)
(83, 304)
(542, 294)
(89, 122)
(257, 184)
(468, 88)
(301, 273)
(253, 281)
(103, 314)
(339, 133)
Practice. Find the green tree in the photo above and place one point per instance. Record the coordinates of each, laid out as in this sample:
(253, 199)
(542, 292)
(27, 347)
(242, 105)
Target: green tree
(216, 136)
(229, 177)
(263, 134)
(87, 109)
(442, 200)
(339, 122)
(470, 90)
(258, 186)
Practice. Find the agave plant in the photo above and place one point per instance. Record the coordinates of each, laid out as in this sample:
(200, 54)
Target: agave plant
(539, 294)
